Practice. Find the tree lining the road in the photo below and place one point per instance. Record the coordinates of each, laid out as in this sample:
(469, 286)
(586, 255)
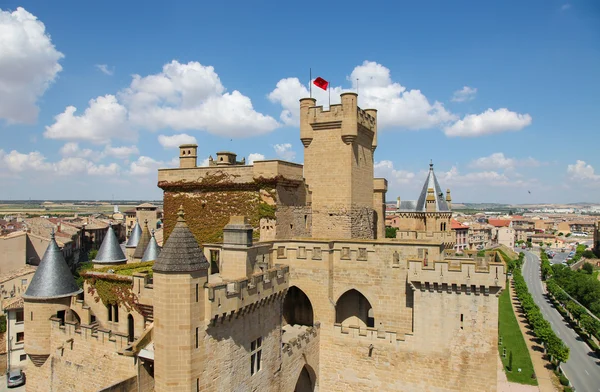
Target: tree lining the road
(542, 329)
(581, 285)
(584, 324)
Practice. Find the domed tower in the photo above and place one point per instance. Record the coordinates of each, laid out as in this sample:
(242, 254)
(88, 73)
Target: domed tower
(133, 240)
(152, 250)
(180, 273)
(110, 252)
(48, 295)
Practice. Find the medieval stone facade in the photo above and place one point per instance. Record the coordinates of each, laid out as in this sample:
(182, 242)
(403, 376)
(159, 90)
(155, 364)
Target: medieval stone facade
(294, 288)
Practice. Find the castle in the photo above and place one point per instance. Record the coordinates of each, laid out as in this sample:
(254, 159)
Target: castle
(273, 277)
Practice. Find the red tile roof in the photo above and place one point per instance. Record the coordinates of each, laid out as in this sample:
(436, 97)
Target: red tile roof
(499, 222)
(454, 224)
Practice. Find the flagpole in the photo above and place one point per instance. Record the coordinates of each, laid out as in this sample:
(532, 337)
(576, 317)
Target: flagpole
(329, 89)
(310, 81)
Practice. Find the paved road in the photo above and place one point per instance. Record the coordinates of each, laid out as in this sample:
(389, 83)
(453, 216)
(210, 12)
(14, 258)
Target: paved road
(583, 367)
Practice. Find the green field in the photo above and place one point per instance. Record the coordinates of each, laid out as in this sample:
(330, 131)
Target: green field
(513, 342)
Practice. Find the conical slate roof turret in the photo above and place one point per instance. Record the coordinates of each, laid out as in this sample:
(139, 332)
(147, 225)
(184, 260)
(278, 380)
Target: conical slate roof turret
(53, 278)
(181, 252)
(135, 235)
(431, 182)
(143, 243)
(110, 251)
(152, 251)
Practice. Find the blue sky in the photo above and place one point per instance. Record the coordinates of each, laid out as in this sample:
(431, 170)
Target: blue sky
(502, 95)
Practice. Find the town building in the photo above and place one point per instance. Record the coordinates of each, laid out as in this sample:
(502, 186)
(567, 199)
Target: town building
(461, 232)
(275, 277)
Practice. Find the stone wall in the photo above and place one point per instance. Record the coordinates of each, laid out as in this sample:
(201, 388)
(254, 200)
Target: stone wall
(227, 349)
(79, 355)
(416, 342)
(129, 385)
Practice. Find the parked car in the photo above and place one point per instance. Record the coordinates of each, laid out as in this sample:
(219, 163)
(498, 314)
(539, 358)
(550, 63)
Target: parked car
(15, 378)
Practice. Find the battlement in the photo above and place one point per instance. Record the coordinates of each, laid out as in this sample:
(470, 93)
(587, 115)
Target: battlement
(441, 236)
(236, 296)
(67, 334)
(369, 334)
(297, 337)
(457, 275)
(347, 117)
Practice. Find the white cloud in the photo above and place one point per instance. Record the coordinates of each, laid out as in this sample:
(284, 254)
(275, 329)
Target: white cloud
(176, 140)
(465, 94)
(385, 169)
(122, 152)
(181, 97)
(75, 165)
(498, 160)
(146, 165)
(105, 69)
(487, 123)
(191, 97)
(103, 120)
(396, 106)
(582, 171)
(73, 150)
(204, 163)
(28, 65)
(255, 157)
(17, 162)
(284, 151)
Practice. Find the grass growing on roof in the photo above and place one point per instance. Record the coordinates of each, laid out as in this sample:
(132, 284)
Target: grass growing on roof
(513, 342)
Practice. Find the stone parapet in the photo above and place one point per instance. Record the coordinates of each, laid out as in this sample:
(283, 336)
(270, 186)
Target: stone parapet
(465, 276)
(367, 333)
(296, 344)
(229, 297)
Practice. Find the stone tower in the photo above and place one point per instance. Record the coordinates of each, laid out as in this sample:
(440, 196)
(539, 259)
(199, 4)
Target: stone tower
(180, 273)
(134, 239)
(188, 156)
(338, 167)
(47, 297)
(110, 252)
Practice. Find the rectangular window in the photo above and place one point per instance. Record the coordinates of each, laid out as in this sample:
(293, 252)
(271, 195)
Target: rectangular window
(20, 337)
(197, 337)
(109, 308)
(196, 292)
(214, 261)
(23, 282)
(23, 357)
(255, 354)
(116, 313)
(20, 316)
(31, 316)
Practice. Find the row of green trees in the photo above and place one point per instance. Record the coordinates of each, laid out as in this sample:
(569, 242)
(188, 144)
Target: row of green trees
(546, 266)
(555, 347)
(511, 265)
(589, 324)
(581, 285)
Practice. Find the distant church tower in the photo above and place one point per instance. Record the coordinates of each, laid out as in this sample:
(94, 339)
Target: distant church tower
(180, 273)
(342, 140)
(48, 295)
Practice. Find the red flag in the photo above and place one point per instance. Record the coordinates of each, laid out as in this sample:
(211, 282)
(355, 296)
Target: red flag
(321, 83)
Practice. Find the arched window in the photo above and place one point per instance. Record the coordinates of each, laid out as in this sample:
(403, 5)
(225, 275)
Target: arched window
(297, 308)
(306, 380)
(353, 308)
(130, 328)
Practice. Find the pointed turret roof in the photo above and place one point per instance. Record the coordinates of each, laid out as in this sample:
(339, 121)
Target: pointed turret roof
(181, 252)
(135, 235)
(152, 250)
(53, 278)
(431, 182)
(110, 251)
(143, 243)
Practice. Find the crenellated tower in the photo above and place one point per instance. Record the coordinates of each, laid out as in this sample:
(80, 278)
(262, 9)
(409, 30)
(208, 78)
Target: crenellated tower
(338, 167)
